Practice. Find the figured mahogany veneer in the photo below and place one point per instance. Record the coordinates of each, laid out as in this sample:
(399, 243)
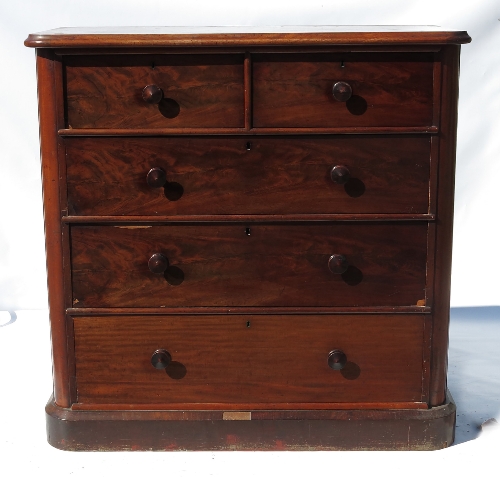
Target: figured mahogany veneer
(387, 90)
(198, 91)
(249, 236)
(241, 175)
(261, 265)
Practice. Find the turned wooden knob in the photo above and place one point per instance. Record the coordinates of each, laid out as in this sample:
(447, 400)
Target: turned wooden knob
(161, 359)
(158, 263)
(337, 263)
(337, 359)
(156, 177)
(340, 174)
(152, 94)
(342, 91)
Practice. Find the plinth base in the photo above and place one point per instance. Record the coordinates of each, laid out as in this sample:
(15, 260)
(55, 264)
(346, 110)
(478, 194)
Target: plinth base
(402, 429)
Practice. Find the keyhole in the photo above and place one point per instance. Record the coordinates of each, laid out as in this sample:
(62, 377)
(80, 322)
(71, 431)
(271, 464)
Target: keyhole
(249, 146)
(247, 230)
(248, 324)
(342, 64)
(153, 65)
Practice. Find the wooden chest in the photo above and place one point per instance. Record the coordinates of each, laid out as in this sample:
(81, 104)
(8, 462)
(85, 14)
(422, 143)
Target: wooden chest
(248, 236)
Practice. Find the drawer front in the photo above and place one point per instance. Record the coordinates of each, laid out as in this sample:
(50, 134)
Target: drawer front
(254, 265)
(249, 359)
(197, 91)
(263, 175)
(391, 90)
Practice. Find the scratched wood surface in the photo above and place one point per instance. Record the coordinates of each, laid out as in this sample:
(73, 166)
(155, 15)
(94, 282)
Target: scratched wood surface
(258, 265)
(242, 175)
(198, 91)
(245, 359)
(387, 90)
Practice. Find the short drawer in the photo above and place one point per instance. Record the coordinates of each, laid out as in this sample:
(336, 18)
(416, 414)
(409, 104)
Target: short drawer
(188, 91)
(242, 175)
(248, 359)
(340, 264)
(384, 90)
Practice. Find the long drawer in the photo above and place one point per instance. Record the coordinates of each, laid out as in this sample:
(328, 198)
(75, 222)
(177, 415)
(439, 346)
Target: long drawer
(107, 91)
(386, 89)
(248, 359)
(242, 175)
(328, 264)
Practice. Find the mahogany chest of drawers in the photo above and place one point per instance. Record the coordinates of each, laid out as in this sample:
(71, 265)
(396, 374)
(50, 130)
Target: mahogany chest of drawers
(248, 236)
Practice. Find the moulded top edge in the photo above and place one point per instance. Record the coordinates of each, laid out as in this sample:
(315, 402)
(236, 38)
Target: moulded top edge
(243, 35)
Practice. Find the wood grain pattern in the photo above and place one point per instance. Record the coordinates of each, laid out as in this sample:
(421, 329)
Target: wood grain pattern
(246, 218)
(217, 176)
(388, 90)
(276, 265)
(48, 68)
(443, 244)
(221, 359)
(244, 36)
(198, 91)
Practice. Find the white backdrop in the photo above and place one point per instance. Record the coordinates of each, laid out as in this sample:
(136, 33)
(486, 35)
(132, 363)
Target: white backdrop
(476, 261)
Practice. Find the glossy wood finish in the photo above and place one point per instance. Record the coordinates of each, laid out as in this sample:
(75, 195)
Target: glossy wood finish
(450, 58)
(198, 91)
(388, 90)
(338, 263)
(258, 226)
(342, 91)
(247, 36)
(158, 263)
(276, 265)
(161, 359)
(340, 174)
(48, 100)
(233, 359)
(156, 177)
(220, 175)
(152, 94)
(337, 359)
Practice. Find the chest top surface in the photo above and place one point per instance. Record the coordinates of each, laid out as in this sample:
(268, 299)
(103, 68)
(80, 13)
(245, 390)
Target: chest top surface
(244, 35)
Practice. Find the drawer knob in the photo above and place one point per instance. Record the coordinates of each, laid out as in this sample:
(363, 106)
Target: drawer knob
(342, 91)
(337, 359)
(161, 359)
(158, 263)
(337, 263)
(340, 174)
(152, 94)
(156, 177)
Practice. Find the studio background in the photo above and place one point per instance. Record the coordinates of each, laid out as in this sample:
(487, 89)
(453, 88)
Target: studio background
(25, 373)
